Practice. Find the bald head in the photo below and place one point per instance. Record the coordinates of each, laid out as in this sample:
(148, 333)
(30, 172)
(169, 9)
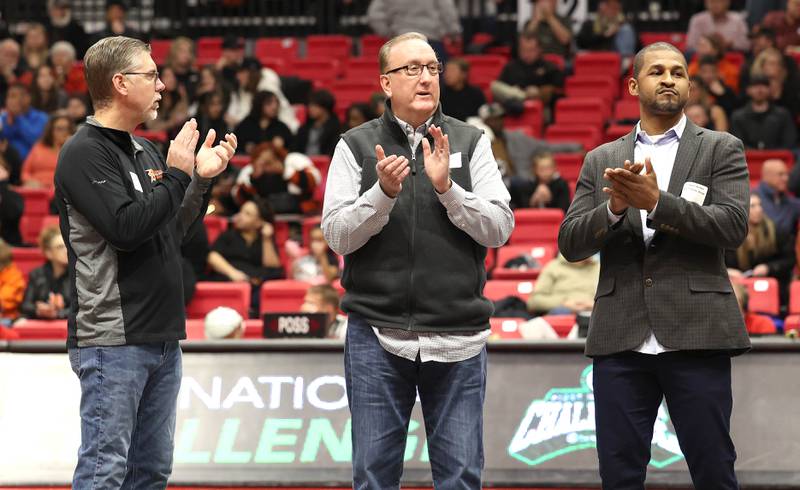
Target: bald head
(775, 174)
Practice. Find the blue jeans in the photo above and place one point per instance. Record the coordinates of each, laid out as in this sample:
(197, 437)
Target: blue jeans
(128, 403)
(382, 389)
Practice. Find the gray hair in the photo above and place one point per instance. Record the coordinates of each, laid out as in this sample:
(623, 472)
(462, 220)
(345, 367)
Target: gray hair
(638, 61)
(105, 58)
(383, 54)
(64, 47)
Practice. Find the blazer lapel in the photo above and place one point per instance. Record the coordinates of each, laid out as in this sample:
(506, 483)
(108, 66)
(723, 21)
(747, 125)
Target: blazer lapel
(625, 152)
(684, 160)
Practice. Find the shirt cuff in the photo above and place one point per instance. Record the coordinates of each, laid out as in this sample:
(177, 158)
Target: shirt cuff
(613, 219)
(653, 212)
(453, 197)
(382, 203)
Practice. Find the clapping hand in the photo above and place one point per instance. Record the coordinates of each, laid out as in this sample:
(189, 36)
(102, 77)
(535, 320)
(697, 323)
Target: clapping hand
(212, 160)
(437, 159)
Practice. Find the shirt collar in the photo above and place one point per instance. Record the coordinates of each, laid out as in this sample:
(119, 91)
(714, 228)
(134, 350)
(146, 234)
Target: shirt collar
(136, 146)
(675, 132)
(409, 129)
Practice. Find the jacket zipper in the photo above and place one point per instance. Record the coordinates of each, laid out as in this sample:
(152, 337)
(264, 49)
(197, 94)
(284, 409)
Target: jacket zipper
(411, 246)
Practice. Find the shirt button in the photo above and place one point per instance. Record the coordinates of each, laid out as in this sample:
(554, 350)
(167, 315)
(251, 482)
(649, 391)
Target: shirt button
(648, 282)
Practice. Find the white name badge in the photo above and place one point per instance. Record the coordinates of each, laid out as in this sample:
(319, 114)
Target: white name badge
(455, 160)
(694, 192)
(136, 184)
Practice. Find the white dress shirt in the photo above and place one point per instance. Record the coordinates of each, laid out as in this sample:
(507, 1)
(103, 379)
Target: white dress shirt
(661, 148)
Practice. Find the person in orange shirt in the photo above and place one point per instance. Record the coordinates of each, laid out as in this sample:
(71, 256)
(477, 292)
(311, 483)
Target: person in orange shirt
(40, 166)
(12, 286)
(712, 45)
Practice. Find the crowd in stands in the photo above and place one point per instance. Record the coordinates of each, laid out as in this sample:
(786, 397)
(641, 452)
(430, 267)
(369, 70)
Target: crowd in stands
(288, 118)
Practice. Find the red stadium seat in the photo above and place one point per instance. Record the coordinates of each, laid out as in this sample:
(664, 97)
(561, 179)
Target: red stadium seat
(209, 49)
(27, 259)
(334, 46)
(497, 289)
(536, 226)
(41, 329)
(541, 253)
(587, 135)
(677, 39)
(581, 110)
(363, 70)
(763, 293)
(756, 158)
(531, 118)
(626, 110)
(506, 328)
(593, 63)
(562, 324)
(320, 70)
(152, 135)
(253, 329)
(210, 295)
(598, 86)
(159, 50)
(30, 227)
(569, 165)
(616, 131)
(794, 298)
(491, 259)
(348, 92)
(283, 295)
(484, 68)
(275, 64)
(36, 201)
(215, 225)
(269, 49)
(195, 329)
(371, 44)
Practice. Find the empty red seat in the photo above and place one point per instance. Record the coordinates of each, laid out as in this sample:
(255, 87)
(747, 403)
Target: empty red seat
(587, 135)
(334, 46)
(215, 225)
(626, 110)
(569, 165)
(598, 86)
(598, 63)
(497, 289)
(159, 50)
(41, 329)
(794, 298)
(284, 295)
(541, 254)
(536, 226)
(348, 92)
(763, 293)
(506, 328)
(210, 295)
(321, 70)
(269, 49)
(30, 227)
(562, 324)
(363, 69)
(484, 68)
(36, 201)
(209, 49)
(531, 118)
(195, 329)
(581, 110)
(677, 39)
(756, 158)
(616, 131)
(27, 259)
(371, 44)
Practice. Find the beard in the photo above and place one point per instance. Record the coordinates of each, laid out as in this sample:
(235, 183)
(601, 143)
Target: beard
(666, 106)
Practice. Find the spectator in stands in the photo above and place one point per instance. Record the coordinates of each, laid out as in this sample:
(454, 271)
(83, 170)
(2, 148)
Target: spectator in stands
(77, 109)
(699, 114)
(357, 114)
(173, 109)
(11, 207)
(12, 286)
(514, 150)
(762, 39)
(181, 59)
(552, 31)
(784, 88)
(247, 251)
(49, 292)
(68, 72)
(11, 161)
(762, 124)
(35, 48)
(248, 76)
(460, 99)
(61, 26)
(20, 124)
(437, 20)
(230, 60)
(377, 102)
(12, 66)
(263, 125)
(545, 190)
(323, 298)
(116, 23)
(701, 95)
(210, 81)
(40, 166)
(46, 95)
(320, 265)
(717, 19)
(529, 76)
(785, 24)
(211, 113)
(712, 46)
(286, 180)
(321, 131)
(608, 31)
(755, 323)
(766, 252)
(779, 206)
(565, 287)
(724, 96)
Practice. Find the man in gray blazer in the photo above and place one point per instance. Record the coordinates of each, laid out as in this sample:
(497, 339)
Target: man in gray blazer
(665, 321)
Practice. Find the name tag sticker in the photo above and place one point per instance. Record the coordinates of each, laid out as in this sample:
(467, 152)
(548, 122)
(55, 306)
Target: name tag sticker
(694, 192)
(455, 160)
(136, 184)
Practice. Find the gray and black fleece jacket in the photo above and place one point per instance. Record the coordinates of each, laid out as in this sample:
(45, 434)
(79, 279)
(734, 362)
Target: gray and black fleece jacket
(123, 214)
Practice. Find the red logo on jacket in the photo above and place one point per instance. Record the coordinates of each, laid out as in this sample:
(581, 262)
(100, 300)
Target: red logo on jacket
(155, 174)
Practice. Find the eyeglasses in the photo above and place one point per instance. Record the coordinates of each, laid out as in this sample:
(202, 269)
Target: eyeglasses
(415, 69)
(150, 76)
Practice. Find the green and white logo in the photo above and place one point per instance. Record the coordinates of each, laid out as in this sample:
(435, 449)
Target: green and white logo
(563, 422)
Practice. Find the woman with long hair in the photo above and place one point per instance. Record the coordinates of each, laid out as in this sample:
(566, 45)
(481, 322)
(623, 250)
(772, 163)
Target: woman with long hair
(40, 165)
(262, 124)
(46, 93)
(783, 87)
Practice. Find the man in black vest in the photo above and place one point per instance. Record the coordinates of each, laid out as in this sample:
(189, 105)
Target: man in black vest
(414, 198)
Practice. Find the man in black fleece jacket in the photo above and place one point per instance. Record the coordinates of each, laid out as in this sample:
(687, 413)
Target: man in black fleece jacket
(124, 211)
